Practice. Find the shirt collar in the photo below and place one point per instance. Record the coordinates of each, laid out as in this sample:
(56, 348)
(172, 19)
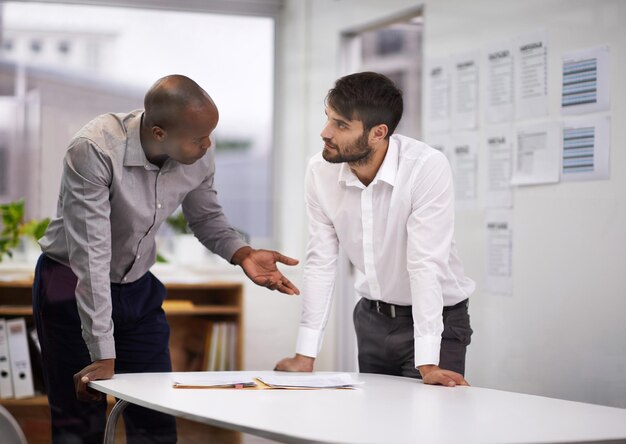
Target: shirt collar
(387, 171)
(134, 155)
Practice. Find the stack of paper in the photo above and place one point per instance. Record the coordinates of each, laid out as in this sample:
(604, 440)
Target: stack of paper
(312, 381)
(274, 381)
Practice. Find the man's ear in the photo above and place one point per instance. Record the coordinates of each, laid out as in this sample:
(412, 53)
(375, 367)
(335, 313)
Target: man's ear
(378, 133)
(159, 133)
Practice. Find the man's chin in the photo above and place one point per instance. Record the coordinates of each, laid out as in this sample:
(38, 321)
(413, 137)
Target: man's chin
(331, 156)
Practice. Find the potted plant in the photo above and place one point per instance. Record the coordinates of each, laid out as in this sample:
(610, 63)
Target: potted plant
(15, 231)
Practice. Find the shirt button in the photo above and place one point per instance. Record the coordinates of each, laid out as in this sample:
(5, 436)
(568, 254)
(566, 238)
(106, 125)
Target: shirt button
(125, 279)
(139, 256)
(158, 205)
(146, 166)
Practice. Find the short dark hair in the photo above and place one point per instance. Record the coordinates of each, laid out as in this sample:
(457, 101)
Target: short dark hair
(367, 96)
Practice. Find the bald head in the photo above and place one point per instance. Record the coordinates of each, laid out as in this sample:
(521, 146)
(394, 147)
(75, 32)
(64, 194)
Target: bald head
(170, 100)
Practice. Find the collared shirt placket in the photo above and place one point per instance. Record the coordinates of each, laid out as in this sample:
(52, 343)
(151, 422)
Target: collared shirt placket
(367, 220)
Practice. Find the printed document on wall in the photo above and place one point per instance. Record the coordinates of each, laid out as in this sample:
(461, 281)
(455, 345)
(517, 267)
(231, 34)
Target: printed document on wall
(531, 78)
(500, 94)
(465, 91)
(499, 167)
(499, 254)
(536, 154)
(437, 96)
(465, 152)
(441, 142)
(586, 147)
(585, 81)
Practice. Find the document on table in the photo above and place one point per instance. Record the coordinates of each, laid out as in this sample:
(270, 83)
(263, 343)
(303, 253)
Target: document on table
(273, 381)
(312, 381)
(208, 380)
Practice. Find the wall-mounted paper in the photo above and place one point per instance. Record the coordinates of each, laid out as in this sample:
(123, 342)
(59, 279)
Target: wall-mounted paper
(441, 142)
(465, 152)
(531, 78)
(465, 91)
(536, 154)
(437, 96)
(586, 147)
(585, 81)
(499, 167)
(499, 75)
(499, 251)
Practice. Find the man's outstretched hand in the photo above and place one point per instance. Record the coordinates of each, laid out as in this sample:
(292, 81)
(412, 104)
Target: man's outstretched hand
(260, 267)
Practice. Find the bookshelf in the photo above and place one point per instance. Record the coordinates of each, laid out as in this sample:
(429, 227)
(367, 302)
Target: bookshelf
(192, 309)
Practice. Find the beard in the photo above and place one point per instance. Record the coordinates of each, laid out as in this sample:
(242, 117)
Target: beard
(357, 153)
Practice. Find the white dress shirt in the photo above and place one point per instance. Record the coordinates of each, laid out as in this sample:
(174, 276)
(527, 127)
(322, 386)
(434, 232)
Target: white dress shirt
(398, 232)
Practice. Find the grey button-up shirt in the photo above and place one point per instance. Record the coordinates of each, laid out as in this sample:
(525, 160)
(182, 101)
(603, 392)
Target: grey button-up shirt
(111, 204)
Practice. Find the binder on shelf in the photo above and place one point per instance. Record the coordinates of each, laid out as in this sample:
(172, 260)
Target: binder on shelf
(6, 384)
(21, 370)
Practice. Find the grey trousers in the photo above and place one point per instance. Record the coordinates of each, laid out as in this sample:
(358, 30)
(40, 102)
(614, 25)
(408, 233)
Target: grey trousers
(386, 344)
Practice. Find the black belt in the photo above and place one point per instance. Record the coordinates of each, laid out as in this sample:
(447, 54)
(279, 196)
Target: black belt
(393, 310)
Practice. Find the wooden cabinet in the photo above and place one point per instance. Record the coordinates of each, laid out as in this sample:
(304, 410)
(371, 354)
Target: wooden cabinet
(193, 311)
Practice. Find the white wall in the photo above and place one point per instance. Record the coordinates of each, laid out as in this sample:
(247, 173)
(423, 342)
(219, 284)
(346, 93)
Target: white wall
(563, 332)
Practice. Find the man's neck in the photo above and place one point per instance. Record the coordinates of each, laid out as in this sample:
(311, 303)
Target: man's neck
(148, 147)
(366, 172)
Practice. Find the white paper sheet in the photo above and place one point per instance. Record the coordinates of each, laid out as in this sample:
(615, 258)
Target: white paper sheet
(531, 78)
(499, 251)
(441, 142)
(499, 76)
(313, 380)
(585, 86)
(437, 96)
(465, 91)
(499, 167)
(586, 147)
(465, 152)
(537, 154)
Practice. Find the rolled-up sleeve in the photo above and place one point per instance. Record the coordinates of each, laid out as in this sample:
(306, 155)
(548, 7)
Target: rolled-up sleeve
(86, 211)
(206, 218)
(430, 232)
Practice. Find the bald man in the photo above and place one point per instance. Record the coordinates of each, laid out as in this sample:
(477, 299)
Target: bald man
(96, 305)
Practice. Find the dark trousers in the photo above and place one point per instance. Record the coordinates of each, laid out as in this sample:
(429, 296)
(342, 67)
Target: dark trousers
(386, 344)
(141, 345)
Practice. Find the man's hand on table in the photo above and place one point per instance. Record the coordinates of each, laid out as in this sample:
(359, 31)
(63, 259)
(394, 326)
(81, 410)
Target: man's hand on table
(432, 374)
(103, 369)
(299, 363)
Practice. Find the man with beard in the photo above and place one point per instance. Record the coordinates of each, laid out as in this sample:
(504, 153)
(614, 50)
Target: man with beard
(388, 201)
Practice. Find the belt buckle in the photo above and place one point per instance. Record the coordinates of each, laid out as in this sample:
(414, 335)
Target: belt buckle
(392, 309)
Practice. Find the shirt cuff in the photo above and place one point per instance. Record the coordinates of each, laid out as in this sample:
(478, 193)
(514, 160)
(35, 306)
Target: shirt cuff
(232, 248)
(102, 350)
(309, 341)
(427, 349)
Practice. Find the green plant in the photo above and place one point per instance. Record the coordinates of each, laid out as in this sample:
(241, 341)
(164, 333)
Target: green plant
(178, 223)
(14, 227)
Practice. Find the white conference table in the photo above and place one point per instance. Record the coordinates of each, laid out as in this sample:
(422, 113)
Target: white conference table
(385, 409)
